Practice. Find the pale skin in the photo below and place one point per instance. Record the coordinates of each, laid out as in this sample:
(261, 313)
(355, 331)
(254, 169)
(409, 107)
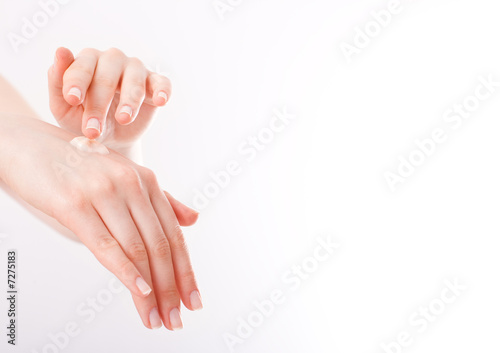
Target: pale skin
(113, 205)
(117, 94)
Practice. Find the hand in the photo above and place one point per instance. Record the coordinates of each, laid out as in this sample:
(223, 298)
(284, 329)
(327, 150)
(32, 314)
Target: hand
(114, 206)
(105, 95)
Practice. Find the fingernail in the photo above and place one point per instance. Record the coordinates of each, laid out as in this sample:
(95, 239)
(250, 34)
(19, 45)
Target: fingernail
(163, 95)
(154, 319)
(175, 319)
(143, 286)
(127, 110)
(74, 91)
(93, 123)
(195, 299)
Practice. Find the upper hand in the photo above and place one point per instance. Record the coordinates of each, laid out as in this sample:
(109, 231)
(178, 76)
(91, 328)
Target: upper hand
(105, 95)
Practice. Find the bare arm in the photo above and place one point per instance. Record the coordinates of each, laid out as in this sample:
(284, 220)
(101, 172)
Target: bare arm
(12, 102)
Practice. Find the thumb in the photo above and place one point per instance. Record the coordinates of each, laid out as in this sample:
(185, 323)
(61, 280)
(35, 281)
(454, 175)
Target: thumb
(185, 215)
(58, 105)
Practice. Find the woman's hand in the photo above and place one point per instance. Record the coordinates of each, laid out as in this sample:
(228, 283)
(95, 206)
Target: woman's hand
(114, 206)
(105, 95)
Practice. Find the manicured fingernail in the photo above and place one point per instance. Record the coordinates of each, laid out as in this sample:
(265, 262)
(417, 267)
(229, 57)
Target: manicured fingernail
(143, 286)
(74, 91)
(127, 110)
(163, 95)
(93, 123)
(195, 299)
(175, 319)
(154, 319)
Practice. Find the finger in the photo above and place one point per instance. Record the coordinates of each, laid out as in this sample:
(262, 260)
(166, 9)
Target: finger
(96, 237)
(78, 76)
(101, 92)
(159, 89)
(62, 60)
(186, 216)
(132, 91)
(119, 222)
(184, 274)
(160, 260)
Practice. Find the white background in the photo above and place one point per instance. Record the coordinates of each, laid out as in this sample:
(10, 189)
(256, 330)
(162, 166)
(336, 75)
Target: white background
(324, 174)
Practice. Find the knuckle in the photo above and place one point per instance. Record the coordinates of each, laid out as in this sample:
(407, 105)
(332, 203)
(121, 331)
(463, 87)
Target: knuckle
(68, 209)
(94, 108)
(105, 81)
(133, 186)
(137, 93)
(137, 252)
(78, 201)
(76, 70)
(127, 175)
(88, 52)
(102, 186)
(149, 176)
(166, 82)
(177, 237)
(126, 269)
(135, 61)
(162, 81)
(114, 52)
(188, 277)
(161, 248)
(105, 243)
(169, 292)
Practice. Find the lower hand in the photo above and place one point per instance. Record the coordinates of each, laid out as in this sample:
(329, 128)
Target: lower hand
(113, 205)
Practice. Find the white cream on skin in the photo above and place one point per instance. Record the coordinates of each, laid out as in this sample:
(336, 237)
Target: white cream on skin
(87, 145)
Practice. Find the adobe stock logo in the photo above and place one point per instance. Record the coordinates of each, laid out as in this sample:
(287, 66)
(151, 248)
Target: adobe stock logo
(87, 311)
(293, 279)
(426, 315)
(30, 26)
(221, 7)
(364, 35)
(248, 150)
(453, 119)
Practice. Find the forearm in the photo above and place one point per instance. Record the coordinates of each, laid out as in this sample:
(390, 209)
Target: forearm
(15, 130)
(12, 102)
(5, 145)
(12, 106)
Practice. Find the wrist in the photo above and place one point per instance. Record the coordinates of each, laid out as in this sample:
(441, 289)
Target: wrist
(132, 152)
(20, 134)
